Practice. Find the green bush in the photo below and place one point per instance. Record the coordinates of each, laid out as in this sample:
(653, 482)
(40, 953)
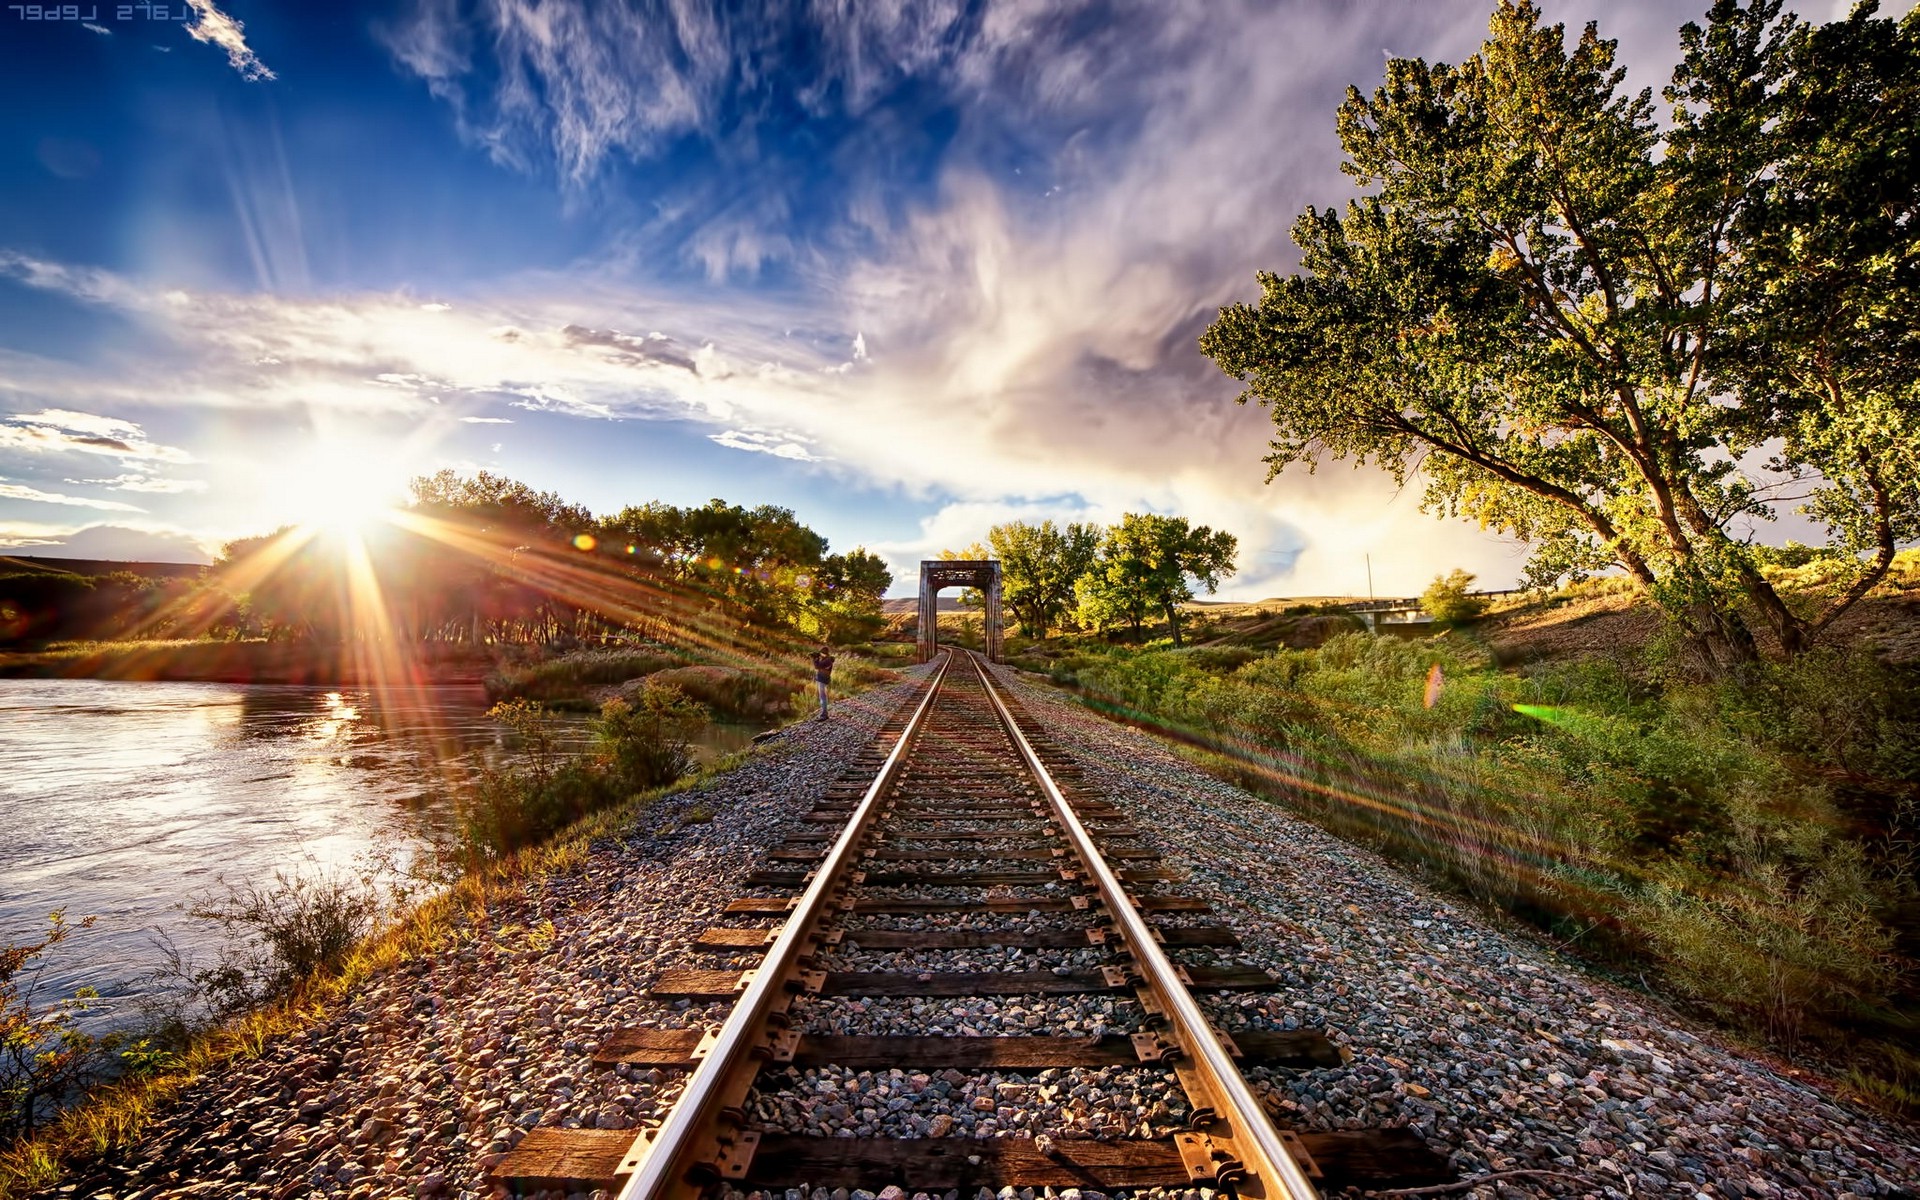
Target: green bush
(648, 744)
(1739, 838)
(735, 692)
(1449, 599)
(638, 746)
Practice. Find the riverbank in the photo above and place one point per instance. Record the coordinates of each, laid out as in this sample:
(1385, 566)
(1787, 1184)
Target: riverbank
(408, 1076)
(301, 663)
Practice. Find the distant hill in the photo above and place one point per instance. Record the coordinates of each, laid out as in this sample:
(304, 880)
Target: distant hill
(12, 563)
(911, 604)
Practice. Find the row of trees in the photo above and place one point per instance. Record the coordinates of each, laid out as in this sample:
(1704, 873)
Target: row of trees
(477, 559)
(1621, 333)
(486, 558)
(1095, 578)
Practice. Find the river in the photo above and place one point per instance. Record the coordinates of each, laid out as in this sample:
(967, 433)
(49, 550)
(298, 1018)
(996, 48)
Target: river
(123, 800)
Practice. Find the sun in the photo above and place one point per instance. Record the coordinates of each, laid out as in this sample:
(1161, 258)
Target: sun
(338, 487)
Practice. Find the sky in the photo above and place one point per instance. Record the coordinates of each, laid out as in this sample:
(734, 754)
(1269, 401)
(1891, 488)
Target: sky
(908, 269)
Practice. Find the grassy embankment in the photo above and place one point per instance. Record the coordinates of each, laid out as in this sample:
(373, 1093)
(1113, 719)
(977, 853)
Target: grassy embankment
(247, 661)
(517, 826)
(1744, 846)
(763, 687)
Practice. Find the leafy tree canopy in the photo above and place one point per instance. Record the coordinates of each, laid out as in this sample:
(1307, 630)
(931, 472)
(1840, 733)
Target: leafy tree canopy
(1039, 566)
(1147, 562)
(1590, 327)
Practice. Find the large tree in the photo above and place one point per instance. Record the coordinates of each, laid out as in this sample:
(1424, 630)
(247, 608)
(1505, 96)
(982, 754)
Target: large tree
(1150, 562)
(1590, 328)
(1039, 565)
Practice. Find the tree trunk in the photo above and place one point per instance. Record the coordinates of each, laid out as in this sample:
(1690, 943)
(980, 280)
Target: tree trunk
(1721, 639)
(1173, 623)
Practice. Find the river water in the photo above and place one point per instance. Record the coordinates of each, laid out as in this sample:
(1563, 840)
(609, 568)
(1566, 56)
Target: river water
(124, 800)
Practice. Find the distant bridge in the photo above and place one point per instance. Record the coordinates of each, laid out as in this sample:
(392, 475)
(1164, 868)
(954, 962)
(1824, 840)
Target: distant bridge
(1405, 610)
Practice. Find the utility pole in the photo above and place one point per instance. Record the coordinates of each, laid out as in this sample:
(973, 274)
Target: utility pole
(1369, 579)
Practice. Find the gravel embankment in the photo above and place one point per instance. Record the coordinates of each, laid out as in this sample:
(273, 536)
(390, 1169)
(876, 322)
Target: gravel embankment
(1497, 1052)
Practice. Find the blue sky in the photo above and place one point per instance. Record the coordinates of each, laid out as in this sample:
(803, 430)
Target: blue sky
(906, 268)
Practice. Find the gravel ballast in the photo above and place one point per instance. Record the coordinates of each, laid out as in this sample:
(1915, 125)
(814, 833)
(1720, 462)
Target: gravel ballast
(1499, 1053)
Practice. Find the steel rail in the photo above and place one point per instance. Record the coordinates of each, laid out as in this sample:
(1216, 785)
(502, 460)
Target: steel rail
(1264, 1153)
(662, 1173)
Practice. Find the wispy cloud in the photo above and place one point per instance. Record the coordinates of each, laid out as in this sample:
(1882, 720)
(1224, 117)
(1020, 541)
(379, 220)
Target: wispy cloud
(102, 30)
(145, 483)
(763, 442)
(20, 491)
(63, 431)
(486, 420)
(218, 29)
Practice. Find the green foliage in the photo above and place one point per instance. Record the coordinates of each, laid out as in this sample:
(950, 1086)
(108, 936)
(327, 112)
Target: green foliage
(753, 557)
(737, 693)
(639, 745)
(1741, 838)
(1449, 599)
(1576, 318)
(1146, 563)
(44, 1055)
(1039, 567)
(647, 744)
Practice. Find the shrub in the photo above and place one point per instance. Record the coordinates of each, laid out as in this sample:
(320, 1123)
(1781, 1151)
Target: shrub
(731, 691)
(1449, 599)
(638, 745)
(1690, 829)
(44, 1055)
(647, 744)
(303, 923)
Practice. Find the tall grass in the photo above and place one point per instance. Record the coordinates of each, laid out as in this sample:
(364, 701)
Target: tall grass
(571, 676)
(1747, 841)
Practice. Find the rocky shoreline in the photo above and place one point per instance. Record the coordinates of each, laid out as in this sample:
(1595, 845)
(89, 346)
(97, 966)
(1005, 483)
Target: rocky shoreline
(1500, 1054)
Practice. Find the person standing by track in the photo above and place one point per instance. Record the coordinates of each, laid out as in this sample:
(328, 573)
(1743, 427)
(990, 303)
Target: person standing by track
(823, 675)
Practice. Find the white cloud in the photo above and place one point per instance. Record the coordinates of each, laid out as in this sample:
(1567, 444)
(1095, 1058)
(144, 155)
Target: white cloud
(65, 431)
(763, 442)
(145, 483)
(218, 29)
(131, 541)
(486, 420)
(102, 30)
(20, 491)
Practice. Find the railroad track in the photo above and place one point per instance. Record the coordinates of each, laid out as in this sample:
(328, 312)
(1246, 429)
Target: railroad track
(962, 837)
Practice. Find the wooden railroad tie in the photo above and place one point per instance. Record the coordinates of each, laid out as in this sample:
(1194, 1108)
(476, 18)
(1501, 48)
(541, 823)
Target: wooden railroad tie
(1258, 1048)
(580, 1159)
(719, 985)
